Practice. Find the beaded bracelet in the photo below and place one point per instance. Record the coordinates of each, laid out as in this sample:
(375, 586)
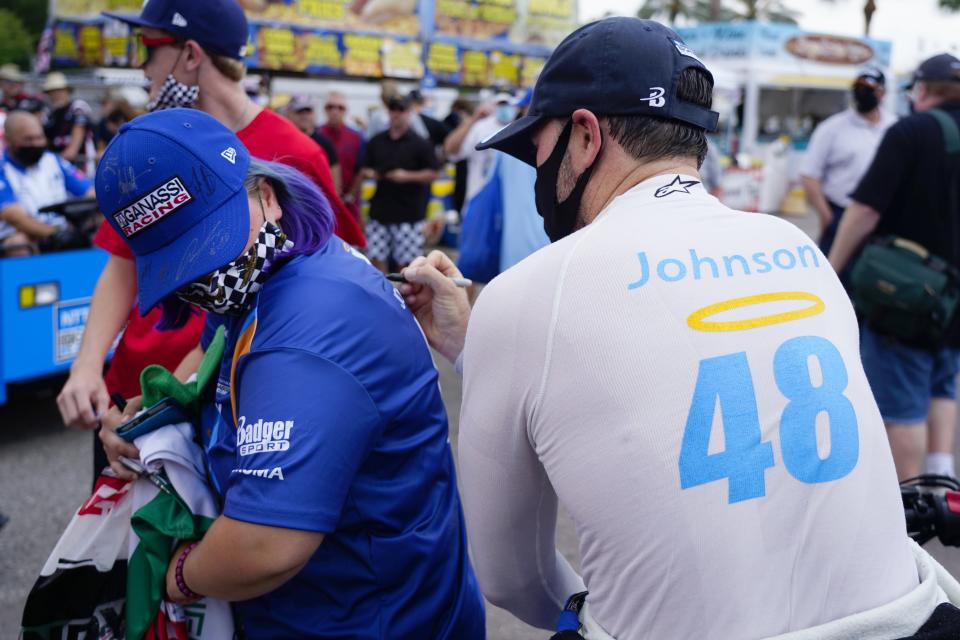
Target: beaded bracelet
(178, 573)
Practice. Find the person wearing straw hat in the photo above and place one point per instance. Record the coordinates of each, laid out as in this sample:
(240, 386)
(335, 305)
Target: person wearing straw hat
(68, 127)
(14, 96)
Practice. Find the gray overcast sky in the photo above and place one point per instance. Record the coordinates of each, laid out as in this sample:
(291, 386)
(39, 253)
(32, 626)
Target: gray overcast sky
(917, 28)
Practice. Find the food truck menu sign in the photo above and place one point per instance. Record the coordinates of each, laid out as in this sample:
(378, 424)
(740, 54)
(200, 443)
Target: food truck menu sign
(471, 42)
(519, 21)
(830, 49)
(782, 42)
(398, 17)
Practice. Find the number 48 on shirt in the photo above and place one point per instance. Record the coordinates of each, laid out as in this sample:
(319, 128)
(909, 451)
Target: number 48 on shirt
(726, 381)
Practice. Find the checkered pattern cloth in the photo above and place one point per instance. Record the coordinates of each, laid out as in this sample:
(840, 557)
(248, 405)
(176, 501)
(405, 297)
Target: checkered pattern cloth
(174, 94)
(403, 242)
(230, 288)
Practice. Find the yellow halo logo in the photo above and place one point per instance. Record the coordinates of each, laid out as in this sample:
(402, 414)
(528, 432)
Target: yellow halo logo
(697, 319)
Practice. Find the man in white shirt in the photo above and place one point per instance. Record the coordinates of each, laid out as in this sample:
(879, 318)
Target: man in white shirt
(840, 152)
(32, 178)
(684, 378)
(462, 141)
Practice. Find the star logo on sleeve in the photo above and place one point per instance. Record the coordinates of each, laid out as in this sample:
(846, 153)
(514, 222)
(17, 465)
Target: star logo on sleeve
(679, 185)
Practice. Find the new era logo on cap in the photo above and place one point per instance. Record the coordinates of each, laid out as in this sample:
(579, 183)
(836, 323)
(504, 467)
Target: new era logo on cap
(155, 205)
(230, 154)
(178, 20)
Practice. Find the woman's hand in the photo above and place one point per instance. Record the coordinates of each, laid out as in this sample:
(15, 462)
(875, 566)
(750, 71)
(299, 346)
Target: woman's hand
(173, 591)
(441, 307)
(114, 445)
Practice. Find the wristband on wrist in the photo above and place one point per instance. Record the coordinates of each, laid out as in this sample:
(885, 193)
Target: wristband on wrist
(178, 573)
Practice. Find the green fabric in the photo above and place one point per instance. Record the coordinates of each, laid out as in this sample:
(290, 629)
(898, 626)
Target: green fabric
(156, 383)
(951, 133)
(166, 518)
(158, 524)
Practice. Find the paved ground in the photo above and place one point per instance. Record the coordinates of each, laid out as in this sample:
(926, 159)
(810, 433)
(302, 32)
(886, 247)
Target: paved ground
(45, 474)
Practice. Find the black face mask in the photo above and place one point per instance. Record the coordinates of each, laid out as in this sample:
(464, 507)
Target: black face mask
(559, 218)
(28, 156)
(865, 99)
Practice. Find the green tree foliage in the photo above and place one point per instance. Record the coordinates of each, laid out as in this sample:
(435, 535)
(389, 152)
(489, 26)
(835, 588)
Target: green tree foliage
(33, 14)
(16, 45)
(950, 5)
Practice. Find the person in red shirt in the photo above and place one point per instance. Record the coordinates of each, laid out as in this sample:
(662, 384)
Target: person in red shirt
(194, 59)
(347, 141)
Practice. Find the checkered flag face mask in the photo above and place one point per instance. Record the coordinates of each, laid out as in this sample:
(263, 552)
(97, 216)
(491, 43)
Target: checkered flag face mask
(231, 289)
(174, 94)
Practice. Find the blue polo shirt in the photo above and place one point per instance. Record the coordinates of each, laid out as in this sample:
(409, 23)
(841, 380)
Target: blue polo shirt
(340, 429)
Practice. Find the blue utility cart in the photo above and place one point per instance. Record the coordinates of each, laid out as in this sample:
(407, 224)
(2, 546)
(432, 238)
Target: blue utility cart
(44, 301)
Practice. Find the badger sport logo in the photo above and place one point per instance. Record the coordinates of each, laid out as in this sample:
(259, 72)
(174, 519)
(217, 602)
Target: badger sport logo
(154, 206)
(262, 436)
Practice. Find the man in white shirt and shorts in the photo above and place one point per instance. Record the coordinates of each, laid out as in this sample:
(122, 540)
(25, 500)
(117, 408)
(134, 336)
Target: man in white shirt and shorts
(840, 151)
(684, 378)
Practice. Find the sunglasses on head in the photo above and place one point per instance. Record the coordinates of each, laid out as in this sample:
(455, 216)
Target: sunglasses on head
(335, 107)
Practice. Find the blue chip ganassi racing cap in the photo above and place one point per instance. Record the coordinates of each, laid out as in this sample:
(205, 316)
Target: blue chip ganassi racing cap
(616, 66)
(171, 183)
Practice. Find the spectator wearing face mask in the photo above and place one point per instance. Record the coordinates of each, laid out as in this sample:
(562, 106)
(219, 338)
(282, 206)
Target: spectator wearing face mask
(840, 152)
(461, 143)
(31, 177)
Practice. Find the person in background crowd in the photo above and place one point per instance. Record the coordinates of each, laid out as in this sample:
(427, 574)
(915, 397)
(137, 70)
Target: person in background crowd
(905, 192)
(15, 98)
(404, 165)
(840, 151)
(379, 118)
(485, 121)
(461, 145)
(70, 123)
(436, 131)
(460, 110)
(193, 61)
(348, 143)
(118, 107)
(522, 229)
(300, 111)
(31, 178)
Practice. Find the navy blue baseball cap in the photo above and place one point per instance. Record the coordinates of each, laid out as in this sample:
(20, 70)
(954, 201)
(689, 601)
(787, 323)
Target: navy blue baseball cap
(171, 184)
(219, 26)
(872, 76)
(939, 68)
(615, 66)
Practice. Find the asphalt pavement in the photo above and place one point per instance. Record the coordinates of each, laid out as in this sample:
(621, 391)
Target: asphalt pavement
(45, 474)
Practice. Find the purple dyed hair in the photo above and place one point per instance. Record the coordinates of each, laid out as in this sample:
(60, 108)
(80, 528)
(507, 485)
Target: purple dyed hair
(307, 220)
